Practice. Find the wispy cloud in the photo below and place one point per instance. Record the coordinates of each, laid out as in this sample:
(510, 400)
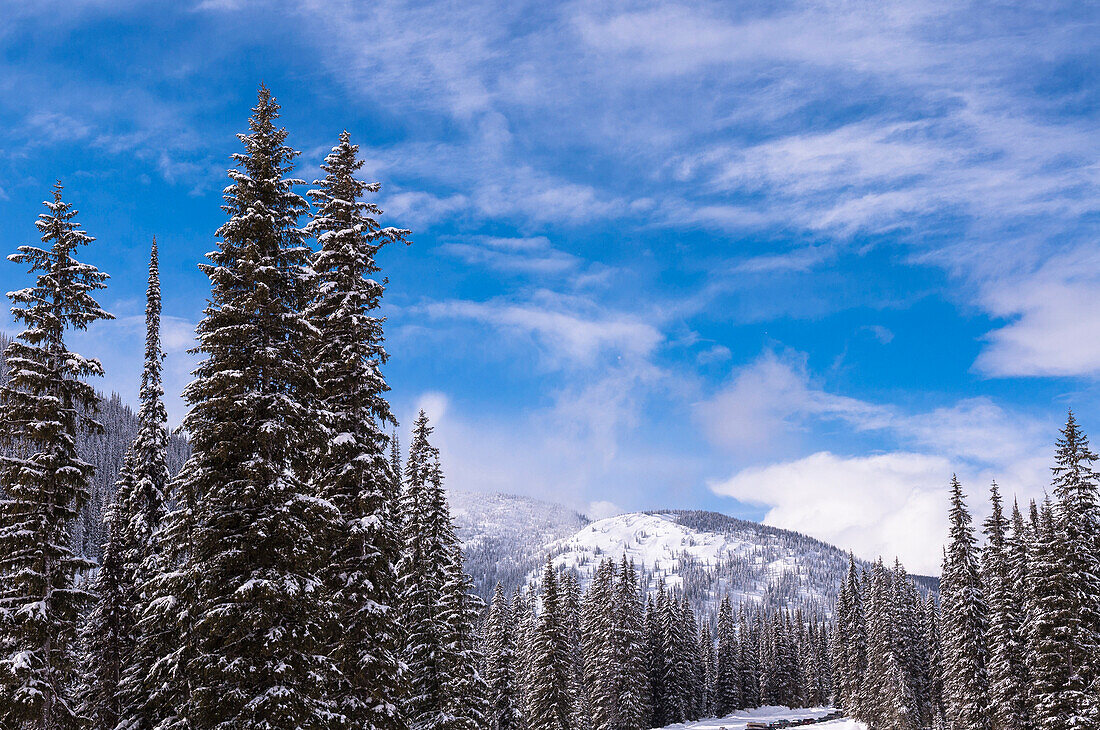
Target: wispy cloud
(513, 255)
(570, 331)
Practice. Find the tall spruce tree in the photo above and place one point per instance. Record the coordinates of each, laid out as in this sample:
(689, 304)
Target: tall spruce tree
(107, 635)
(630, 650)
(1008, 688)
(966, 678)
(466, 696)
(727, 689)
(501, 652)
(551, 704)
(115, 647)
(1076, 488)
(601, 668)
(1050, 673)
(352, 471)
(706, 671)
(852, 644)
(937, 710)
(421, 577)
(444, 687)
(257, 551)
(43, 407)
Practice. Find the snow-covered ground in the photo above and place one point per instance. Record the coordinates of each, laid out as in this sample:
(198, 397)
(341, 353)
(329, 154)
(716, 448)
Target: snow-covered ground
(738, 720)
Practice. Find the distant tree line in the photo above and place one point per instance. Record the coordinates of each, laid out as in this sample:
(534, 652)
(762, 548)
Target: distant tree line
(619, 657)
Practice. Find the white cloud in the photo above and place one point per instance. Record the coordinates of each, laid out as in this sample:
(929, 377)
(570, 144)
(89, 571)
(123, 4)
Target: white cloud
(772, 398)
(889, 504)
(570, 332)
(1054, 313)
(434, 404)
(580, 454)
(533, 255)
(418, 209)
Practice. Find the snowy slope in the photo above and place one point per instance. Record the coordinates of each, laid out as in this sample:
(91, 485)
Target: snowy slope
(507, 538)
(738, 720)
(707, 555)
(504, 537)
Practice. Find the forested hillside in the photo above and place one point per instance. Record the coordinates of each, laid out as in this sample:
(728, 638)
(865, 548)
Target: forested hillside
(105, 451)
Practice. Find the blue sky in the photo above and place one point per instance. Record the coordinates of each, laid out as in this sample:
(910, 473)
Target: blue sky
(794, 261)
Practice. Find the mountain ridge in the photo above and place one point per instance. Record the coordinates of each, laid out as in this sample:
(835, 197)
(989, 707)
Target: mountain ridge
(704, 554)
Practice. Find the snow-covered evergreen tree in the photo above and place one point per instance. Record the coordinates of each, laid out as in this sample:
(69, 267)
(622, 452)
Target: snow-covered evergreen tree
(444, 687)
(107, 635)
(727, 689)
(551, 703)
(1076, 488)
(851, 643)
(706, 671)
(421, 577)
(352, 471)
(1050, 673)
(257, 549)
(1007, 676)
(523, 618)
(501, 652)
(630, 650)
(465, 694)
(937, 711)
(965, 614)
(43, 407)
(113, 667)
(748, 640)
(600, 656)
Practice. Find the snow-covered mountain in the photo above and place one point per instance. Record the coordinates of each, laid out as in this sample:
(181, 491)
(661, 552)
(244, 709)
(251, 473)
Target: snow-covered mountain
(705, 554)
(505, 537)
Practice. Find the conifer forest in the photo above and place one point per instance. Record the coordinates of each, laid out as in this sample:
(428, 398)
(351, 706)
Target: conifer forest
(287, 557)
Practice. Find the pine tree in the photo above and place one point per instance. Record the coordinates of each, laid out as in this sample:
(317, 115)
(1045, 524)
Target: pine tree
(687, 651)
(445, 690)
(144, 502)
(353, 473)
(43, 407)
(600, 654)
(706, 671)
(1008, 689)
(261, 615)
(672, 700)
(1077, 491)
(630, 650)
(571, 617)
(108, 632)
(1053, 707)
(727, 677)
(937, 709)
(501, 654)
(880, 694)
(551, 705)
(851, 642)
(465, 697)
(133, 521)
(966, 681)
(523, 618)
(421, 578)
(748, 639)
